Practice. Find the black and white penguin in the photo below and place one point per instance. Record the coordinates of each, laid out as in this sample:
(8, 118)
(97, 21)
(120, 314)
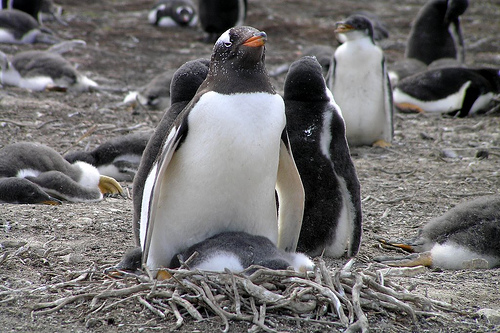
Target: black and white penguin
(173, 13)
(22, 191)
(185, 82)
(237, 251)
(118, 157)
(430, 37)
(216, 16)
(454, 240)
(154, 95)
(31, 7)
(360, 85)
(18, 27)
(223, 159)
(458, 90)
(332, 213)
(43, 166)
(43, 70)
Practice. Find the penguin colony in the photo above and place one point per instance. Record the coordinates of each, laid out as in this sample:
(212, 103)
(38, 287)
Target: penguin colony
(234, 171)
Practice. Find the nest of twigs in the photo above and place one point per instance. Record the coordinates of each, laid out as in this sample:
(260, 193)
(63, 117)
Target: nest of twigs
(335, 298)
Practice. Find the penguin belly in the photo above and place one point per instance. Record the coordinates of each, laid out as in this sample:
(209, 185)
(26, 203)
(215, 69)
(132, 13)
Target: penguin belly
(359, 91)
(223, 175)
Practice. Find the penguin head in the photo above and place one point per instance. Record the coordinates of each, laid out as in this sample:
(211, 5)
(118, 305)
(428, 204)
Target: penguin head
(454, 9)
(184, 14)
(305, 82)
(354, 27)
(187, 79)
(240, 48)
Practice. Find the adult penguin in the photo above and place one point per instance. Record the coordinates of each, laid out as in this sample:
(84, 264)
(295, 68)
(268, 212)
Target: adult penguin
(222, 160)
(430, 37)
(332, 213)
(173, 13)
(43, 166)
(454, 240)
(359, 82)
(216, 16)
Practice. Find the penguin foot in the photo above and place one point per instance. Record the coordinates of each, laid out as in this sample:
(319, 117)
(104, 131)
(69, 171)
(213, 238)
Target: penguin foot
(51, 87)
(416, 259)
(381, 143)
(108, 185)
(394, 244)
(409, 108)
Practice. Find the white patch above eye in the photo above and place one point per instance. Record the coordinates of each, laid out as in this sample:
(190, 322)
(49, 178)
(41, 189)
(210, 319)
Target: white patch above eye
(224, 38)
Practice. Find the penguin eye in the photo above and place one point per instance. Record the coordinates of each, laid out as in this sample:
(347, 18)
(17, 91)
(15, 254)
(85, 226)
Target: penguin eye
(228, 44)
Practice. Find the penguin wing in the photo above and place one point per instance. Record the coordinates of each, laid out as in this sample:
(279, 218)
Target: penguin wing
(159, 168)
(389, 106)
(291, 198)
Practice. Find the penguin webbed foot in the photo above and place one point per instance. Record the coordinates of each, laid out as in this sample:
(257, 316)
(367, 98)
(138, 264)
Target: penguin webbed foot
(381, 143)
(405, 246)
(108, 185)
(408, 108)
(129, 266)
(412, 260)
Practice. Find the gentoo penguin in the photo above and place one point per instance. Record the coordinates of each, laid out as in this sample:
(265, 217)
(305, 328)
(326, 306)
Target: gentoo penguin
(360, 85)
(118, 157)
(185, 82)
(31, 7)
(22, 191)
(332, 212)
(18, 27)
(172, 13)
(43, 166)
(430, 38)
(222, 160)
(468, 231)
(463, 91)
(154, 95)
(216, 16)
(237, 251)
(43, 70)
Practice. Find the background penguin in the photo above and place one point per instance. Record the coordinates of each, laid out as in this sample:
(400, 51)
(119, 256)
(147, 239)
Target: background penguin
(155, 94)
(360, 85)
(118, 157)
(185, 82)
(42, 165)
(332, 212)
(448, 90)
(18, 27)
(237, 251)
(223, 159)
(22, 191)
(469, 231)
(216, 16)
(43, 70)
(31, 7)
(171, 13)
(430, 38)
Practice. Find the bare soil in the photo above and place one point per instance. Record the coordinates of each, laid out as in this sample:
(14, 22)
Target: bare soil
(431, 167)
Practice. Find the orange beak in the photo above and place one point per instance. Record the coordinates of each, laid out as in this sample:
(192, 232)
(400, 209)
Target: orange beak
(342, 28)
(256, 40)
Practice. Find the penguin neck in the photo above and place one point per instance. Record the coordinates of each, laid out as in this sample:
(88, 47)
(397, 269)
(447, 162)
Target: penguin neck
(229, 79)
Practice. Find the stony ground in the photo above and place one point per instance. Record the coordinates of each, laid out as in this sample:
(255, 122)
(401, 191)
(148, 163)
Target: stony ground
(431, 167)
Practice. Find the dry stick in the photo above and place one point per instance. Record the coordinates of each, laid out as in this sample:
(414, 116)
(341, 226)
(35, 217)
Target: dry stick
(237, 303)
(362, 322)
(177, 314)
(59, 303)
(86, 134)
(150, 307)
(329, 283)
(186, 305)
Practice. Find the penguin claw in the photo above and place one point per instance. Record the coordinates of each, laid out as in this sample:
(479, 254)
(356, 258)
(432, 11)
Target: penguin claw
(381, 143)
(108, 185)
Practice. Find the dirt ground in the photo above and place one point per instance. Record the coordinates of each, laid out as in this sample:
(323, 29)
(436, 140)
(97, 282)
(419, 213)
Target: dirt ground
(431, 167)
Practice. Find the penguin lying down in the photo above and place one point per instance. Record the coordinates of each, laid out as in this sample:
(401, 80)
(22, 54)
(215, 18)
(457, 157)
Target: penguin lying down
(235, 251)
(467, 236)
(33, 173)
